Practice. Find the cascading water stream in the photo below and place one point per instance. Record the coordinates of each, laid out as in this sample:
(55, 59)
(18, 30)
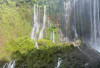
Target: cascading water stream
(59, 63)
(44, 24)
(36, 45)
(75, 32)
(10, 65)
(53, 37)
(36, 26)
(67, 8)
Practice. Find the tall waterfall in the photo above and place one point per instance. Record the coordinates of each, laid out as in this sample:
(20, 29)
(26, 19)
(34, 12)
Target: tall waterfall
(83, 20)
(44, 24)
(10, 65)
(67, 8)
(36, 26)
(53, 36)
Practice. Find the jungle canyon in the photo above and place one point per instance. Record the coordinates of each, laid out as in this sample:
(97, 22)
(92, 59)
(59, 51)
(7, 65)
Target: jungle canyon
(49, 34)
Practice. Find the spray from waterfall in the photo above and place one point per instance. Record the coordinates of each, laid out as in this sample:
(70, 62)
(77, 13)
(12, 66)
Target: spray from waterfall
(67, 8)
(95, 25)
(10, 65)
(84, 18)
(44, 24)
(93, 16)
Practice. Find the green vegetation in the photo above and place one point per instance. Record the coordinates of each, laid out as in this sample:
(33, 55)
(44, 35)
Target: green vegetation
(16, 17)
(19, 46)
(44, 57)
(14, 21)
(45, 43)
(50, 30)
(15, 28)
(24, 51)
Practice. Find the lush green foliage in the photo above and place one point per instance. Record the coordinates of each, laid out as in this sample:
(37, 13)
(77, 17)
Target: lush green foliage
(14, 21)
(20, 45)
(45, 43)
(50, 30)
(44, 58)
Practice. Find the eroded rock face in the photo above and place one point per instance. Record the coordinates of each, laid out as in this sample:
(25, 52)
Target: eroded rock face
(76, 43)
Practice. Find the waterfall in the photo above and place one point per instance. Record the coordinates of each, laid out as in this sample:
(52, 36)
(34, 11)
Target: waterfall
(36, 45)
(83, 19)
(10, 65)
(59, 63)
(53, 37)
(36, 26)
(95, 27)
(44, 24)
(93, 19)
(67, 8)
(75, 32)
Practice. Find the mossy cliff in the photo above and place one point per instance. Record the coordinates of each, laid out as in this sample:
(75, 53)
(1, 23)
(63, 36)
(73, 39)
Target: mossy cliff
(15, 21)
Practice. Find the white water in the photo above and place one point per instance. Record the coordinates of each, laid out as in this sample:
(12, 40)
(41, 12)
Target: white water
(75, 32)
(10, 65)
(59, 63)
(84, 15)
(36, 26)
(36, 45)
(53, 37)
(95, 26)
(67, 8)
(44, 24)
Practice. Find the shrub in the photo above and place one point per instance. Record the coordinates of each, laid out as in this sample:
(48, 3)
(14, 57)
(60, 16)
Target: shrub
(45, 43)
(21, 45)
(45, 58)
